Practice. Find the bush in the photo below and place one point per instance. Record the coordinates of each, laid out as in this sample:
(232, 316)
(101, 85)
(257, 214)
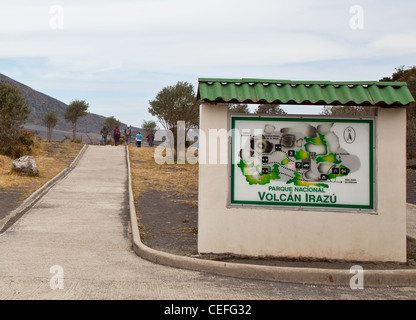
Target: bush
(13, 114)
(22, 145)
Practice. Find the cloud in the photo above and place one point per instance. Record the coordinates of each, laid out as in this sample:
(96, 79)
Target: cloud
(122, 53)
(171, 35)
(395, 43)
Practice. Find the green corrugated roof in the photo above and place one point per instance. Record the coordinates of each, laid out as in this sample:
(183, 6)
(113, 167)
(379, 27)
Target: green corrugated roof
(365, 93)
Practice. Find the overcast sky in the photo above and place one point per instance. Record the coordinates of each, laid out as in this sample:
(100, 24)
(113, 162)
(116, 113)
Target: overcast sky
(117, 55)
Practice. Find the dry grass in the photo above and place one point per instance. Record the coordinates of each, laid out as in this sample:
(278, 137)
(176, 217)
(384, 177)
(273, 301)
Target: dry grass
(51, 158)
(175, 180)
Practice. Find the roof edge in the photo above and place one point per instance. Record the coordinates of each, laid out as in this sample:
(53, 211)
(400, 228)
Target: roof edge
(301, 82)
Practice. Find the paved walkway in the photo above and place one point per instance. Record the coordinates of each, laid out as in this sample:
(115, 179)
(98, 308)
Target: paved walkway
(76, 243)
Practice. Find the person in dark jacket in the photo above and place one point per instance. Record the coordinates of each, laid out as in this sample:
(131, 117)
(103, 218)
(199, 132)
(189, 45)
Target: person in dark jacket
(104, 134)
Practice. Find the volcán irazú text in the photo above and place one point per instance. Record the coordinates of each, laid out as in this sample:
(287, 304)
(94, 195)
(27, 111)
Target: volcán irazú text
(298, 198)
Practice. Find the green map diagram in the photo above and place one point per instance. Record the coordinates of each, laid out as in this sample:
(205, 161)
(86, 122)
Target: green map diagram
(301, 154)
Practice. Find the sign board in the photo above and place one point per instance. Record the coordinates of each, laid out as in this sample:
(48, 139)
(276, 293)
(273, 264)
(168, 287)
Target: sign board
(308, 162)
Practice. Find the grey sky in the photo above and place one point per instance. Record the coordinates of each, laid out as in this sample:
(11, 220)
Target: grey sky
(117, 55)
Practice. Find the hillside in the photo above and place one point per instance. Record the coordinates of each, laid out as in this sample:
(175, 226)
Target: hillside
(40, 103)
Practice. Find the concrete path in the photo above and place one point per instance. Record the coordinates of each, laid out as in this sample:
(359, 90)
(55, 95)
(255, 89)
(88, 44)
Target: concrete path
(76, 243)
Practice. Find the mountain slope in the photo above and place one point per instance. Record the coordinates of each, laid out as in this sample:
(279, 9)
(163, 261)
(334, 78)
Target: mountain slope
(40, 103)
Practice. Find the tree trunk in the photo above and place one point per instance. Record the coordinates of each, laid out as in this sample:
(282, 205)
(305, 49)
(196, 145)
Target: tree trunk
(74, 130)
(49, 134)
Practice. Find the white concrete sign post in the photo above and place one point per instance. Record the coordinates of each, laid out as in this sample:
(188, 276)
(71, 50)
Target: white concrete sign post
(287, 192)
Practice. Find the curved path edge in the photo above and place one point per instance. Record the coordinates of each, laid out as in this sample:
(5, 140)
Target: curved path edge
(338, 277)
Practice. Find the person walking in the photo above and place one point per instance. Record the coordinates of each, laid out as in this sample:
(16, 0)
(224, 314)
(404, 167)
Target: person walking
(139, 138)
(116, 135)
(127, 135)
(151, 140)
(104, 134)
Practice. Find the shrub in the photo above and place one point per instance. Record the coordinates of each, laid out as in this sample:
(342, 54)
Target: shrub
(22, 145)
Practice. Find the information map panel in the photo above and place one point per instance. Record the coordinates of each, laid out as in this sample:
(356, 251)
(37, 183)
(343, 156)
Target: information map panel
(307, 162)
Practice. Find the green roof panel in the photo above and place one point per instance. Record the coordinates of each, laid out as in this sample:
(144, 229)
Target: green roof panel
(366, 93)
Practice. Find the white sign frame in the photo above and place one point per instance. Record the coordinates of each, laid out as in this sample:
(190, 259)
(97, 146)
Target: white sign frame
(298, 182)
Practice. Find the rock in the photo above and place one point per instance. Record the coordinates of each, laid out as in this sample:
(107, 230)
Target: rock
(26, 164)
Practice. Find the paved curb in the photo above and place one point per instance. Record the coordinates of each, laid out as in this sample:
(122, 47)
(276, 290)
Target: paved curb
(30, 201)
(412, 236)
(337, 277)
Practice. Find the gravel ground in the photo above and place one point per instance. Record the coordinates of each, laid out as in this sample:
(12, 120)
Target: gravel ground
(171, 226)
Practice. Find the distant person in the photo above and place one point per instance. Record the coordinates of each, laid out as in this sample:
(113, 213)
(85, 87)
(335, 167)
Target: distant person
(139, 138)
(104, 134)
(116, 135)
(151, 140)
(127, 135)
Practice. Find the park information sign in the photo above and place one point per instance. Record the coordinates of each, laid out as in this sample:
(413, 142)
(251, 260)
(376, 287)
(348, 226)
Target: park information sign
(308, 162)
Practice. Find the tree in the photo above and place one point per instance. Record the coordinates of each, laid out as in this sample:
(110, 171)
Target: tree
(75, 110)
(402, 73)
(238, 108)
(13, 114)
(111, 123)
(173, 104)
(50, 119)
(150, 127)
(270, 109)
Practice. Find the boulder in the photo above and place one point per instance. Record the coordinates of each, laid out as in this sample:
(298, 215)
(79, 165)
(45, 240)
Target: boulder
(26, 164)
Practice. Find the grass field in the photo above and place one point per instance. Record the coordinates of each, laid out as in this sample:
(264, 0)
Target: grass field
(51, 158)
(179, 180)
